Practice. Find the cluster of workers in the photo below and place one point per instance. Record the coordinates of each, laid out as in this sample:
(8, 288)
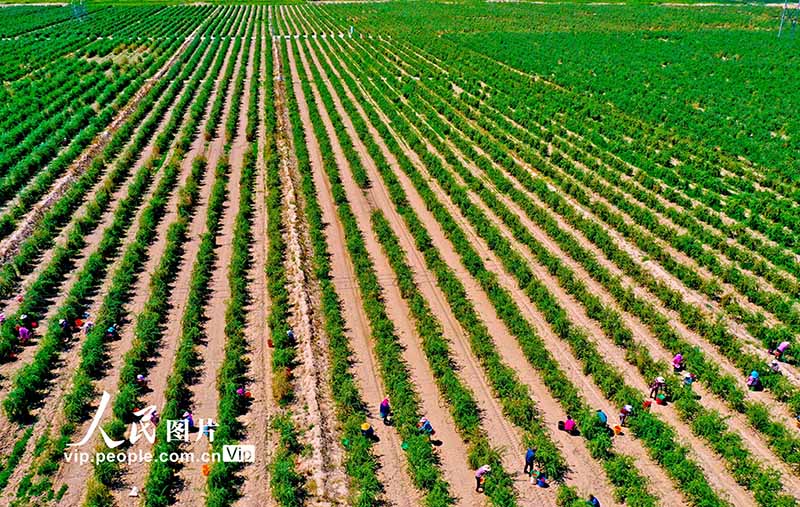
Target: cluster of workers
(569, 425)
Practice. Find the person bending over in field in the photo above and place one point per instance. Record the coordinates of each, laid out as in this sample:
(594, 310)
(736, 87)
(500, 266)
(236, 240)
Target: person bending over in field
(780, 349)
(754, 381)
(480, 477)
(424, 427)
(385, 410)
(189, 418)
(594, 502)
(568, 425)
(688, 379)
(24, 334)
(657, 386)
(677, 363)
(624, 413)
(367, 430)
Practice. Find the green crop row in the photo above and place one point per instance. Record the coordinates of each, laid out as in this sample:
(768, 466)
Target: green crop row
(287, 485)
(222, 483)
(216, 110)
(232, 122)
(162, 478)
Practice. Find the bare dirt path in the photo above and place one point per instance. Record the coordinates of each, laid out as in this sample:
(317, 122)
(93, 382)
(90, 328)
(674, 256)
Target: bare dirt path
(453, 453)
(398, 488)
(76, 475)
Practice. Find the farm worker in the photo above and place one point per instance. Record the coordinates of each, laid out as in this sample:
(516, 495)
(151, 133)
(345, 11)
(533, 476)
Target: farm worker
(624, 413)
(480, 474)
(424, 426)
(141, 380)
(677, 362)
(781, 348)
(657, 386)
(154, 418)
(594, 502)
(530, 456)
(541, 480)
(24, 319)
(774, 366)
(569, 426)
(385, 409)
(290, 334)
(367, 431)
(111, 332)
(87, 327)
(240, 391)
(63, 324)
(602, 417)
(187, 416)
(753, 381)
(688, 379)
(24, 334)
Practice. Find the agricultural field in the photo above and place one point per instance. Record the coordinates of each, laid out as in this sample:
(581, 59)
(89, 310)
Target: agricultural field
(267, 218)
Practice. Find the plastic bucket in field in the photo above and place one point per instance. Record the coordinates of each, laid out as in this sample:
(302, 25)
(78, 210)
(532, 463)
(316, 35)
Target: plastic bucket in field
(617, 429)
